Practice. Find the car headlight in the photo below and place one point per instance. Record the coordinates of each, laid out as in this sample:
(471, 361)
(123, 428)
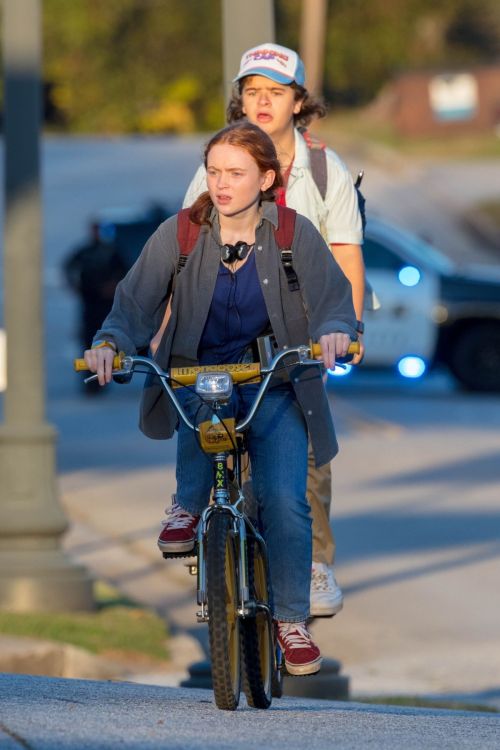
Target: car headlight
(214, 386)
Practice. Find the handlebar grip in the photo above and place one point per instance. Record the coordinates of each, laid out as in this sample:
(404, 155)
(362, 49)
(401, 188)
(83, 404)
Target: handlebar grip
(353, 349)
(79, 365)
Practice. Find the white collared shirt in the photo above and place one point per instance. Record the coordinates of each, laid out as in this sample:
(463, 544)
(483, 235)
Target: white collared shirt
(337, 217)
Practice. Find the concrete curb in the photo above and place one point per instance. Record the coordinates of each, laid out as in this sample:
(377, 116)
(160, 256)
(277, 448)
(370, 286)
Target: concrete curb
(38, 657)
(22, 655)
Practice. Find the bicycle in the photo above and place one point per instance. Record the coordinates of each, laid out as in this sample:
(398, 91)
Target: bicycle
(233, 589)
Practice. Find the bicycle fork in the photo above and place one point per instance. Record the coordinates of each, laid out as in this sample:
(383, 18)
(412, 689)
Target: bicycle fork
(222, 504)
(247, 607)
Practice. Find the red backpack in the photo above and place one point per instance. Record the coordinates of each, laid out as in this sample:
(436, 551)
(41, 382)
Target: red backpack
(188, 233)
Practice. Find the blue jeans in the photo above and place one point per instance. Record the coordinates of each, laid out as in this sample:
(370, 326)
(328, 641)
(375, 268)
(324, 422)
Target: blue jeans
(277, 444)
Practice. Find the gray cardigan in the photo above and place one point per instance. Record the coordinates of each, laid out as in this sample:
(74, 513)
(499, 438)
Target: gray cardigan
(141, 298)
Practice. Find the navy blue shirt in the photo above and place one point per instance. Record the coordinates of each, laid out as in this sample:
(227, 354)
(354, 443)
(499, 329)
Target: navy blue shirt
(237, 315)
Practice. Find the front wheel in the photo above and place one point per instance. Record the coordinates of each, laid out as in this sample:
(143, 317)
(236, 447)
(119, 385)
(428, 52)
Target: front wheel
(223, 619)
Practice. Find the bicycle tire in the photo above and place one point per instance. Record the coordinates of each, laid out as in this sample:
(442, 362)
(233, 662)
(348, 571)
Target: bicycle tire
(223, 619)
(256, 640)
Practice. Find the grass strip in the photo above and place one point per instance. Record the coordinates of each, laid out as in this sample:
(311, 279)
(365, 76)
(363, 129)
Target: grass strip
(118, 627)
(344, 129)
(416, 701)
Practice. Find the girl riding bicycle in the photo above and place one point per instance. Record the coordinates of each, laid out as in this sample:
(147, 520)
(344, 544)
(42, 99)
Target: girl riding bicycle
(232, 290)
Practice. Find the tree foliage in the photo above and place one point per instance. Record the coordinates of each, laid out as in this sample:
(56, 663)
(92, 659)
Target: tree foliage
(155, 65)
(134, 65)
(368, 42)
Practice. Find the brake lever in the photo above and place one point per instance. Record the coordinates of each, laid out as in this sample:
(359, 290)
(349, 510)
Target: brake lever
(122, 376)
(309, 361)
(320, 363)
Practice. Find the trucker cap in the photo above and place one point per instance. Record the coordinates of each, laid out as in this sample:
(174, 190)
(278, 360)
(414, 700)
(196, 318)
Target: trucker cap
(278, 63)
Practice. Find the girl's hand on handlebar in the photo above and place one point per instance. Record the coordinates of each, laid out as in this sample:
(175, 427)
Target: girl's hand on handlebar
(100, 361)
(333, 346)
(358, 358)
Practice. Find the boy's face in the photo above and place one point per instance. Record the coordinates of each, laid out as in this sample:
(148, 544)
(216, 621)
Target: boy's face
(269, 105)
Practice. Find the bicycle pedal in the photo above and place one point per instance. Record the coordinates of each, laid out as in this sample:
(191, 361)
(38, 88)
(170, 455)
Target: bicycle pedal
(179, 555)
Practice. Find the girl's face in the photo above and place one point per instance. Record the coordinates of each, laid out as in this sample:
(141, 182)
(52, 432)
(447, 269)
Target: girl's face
(234, 180)
(269, 105)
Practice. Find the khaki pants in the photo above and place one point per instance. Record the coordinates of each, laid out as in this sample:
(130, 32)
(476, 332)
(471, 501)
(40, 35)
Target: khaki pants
(319, 495)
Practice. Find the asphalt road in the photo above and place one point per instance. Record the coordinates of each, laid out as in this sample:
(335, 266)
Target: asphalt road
(49, 714)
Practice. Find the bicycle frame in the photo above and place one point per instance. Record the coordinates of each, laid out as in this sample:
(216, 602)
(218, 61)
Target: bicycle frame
(232, 567)
(221, 495)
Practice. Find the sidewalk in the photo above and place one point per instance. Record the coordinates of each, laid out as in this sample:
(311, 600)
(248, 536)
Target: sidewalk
(418, 549)
(114, 536)
(416, 490)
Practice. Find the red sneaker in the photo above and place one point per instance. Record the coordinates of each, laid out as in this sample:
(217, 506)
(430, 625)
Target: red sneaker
(179, 529)
(300, 653)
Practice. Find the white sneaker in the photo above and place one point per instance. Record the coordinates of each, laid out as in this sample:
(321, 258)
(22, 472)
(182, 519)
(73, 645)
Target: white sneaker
(326, 595)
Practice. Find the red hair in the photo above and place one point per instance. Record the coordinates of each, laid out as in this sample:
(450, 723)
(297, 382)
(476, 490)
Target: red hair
(255, 142)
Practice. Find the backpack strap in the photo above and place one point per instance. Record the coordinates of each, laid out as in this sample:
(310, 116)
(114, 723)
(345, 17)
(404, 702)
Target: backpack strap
(187, 236)
(188, 233)
(284, 235)
(319, 170)
(317, 158)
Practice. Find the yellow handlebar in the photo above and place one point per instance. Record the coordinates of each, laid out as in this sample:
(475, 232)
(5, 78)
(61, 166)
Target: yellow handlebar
(316, 349)
(248, 373)
(80, 365)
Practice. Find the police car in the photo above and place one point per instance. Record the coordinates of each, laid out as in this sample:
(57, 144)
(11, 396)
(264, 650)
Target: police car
(432, 312)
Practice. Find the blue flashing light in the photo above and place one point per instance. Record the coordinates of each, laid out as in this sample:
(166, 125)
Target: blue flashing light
(409, 276)
(340, 372)
(107, 232)
(412, 367)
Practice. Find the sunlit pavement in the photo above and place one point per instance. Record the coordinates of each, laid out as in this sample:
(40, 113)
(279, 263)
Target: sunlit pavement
(415, 513)
(43, 714)
(416, 517)
(416, 483)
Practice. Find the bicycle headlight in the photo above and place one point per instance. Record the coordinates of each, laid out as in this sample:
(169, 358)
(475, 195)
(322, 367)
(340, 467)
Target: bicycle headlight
(214, 386)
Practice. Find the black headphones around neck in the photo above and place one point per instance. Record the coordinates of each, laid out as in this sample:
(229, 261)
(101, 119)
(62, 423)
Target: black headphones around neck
(232, 253)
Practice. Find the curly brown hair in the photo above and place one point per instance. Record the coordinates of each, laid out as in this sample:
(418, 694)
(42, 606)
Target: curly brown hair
(260, 147)
(312, 106)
